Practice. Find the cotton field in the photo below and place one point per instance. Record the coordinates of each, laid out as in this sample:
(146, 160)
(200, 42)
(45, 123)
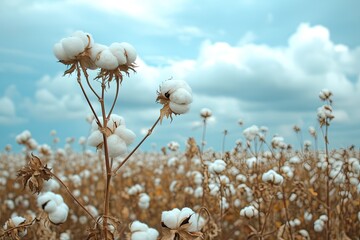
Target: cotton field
(262, 188)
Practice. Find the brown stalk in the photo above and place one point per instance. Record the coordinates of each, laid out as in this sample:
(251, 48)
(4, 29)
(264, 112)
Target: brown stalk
(139, 144)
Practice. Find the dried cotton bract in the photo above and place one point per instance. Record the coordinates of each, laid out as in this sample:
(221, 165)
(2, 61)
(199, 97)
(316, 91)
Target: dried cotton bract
(205, 113)
(176, 96)
(14, 222)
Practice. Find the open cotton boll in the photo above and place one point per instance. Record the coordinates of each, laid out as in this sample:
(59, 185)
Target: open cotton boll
(60, 215)
(106, 60)
(116, 146)
(44, 198)
(95, 50)
(17, 220)
(181, 96)
(171, 86)
(50, 206)
(138, 226)
(179, 108)
(170, 218)
(152, 234)
(115, 121)
(118, 50)
(85, 37)
(59, 52)
(196, 223)
(139, 236)
(272, 177)
(125, 134)
(72, 46)
(95, 138)
(130, 52)
(184, 213)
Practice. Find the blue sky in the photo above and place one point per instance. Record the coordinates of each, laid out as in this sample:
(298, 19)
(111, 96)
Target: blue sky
(260, 61)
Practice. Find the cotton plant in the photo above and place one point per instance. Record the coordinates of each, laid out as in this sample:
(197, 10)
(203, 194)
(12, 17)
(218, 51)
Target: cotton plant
(54, 205)
(182, 224)
(16, 227)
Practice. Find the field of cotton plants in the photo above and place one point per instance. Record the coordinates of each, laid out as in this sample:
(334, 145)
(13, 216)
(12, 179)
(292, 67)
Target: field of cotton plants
(261, 189)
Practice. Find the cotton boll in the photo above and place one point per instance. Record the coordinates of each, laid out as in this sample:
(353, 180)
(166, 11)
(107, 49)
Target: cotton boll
(171, 86)
(144, 201)
(86, 38)
(139, 236)
(185, 213)
(59, 216)
(138, 226)
(115, 121)
(17, 220)
(181, 96)
(72, 46)
(106, 60)
(116, 146)
(179, 108)
(152, 234)
(95, 138)
(50, 206)
(130, 52)
(125, 134)
(95, 51)
(196, 223)
(43, 198)
(169, 218)
(59, 52)
(118, 50)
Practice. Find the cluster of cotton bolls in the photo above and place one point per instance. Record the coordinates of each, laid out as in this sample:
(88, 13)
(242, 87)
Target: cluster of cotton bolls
(54, 205)
(141, 231)
(81, 44)
(177, 94)
(272, 177)
(249, 212)
(319, 224)
(144, 201)
(118, 136)
(174, 219)
(217, 167)
(24, 138)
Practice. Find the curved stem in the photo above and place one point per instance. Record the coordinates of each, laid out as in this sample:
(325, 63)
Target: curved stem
(72, 196)
(107, 161)
(115, 98)
(87, 80)
(86, 97)
(139, 144)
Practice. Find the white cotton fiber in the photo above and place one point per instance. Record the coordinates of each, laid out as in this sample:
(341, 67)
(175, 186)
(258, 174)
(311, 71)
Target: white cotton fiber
(95, 138)
(118, 50)
(125, 134)
(50, 185)
(169, 218)
(60, 215)
(171, 86)
(181, 96)
(139, 236)
(115, 121)
(59, 52)
(179, 108)
(130, 52)
(152, 234)
(106, 60)
(50, 206)
(72, 46)
(116, 146)
(17, 220)
(138, 226)
(184, 213)
(95, 51)
(84, 38)
(44, 197)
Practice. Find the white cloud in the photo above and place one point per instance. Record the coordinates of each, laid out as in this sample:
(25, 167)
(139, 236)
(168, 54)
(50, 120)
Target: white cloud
(8, 112)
